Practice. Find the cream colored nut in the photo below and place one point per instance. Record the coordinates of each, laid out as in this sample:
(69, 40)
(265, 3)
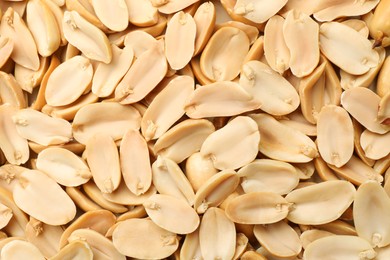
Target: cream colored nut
(183, 139)
(276, 95)
(336, 247)
(142, 13)
(268, 175)
(123, 196)
(25, 50)
(370, 218)
(283, 143)
(30, 79)
(276, 51)
(180, 40)
(224, 54)
(375, 146)
(5, 215)
(258, 208)
(172, 6)
(50, 205)
(107, 76)
(347, 48)
(279, 238)
(191, 246)
(86, 37)
(10, 91)
(113, 14)
(69, 81)
(359, 25)
(312, 235)
(141, 238)
(135, 162)
(12, 144)
(58, 15)
(204, 18)
(43, 26)
(379, 28)
(169, 179)
(198, 170)
(139, 41)
(108, 117)
(298, 121)
(103, 160)
(362, 104)
(258, 11)
(76, 250)
(40, 128)
(143, 76)
(217, 235)
(225, 98)
(98, 220)
(234, 145)
(63, 166)
(320, 203)
(102, 247)
(6, 48)
(167, 107)
(215, 190)
(335, 121)
(18, 249)
(172, 214)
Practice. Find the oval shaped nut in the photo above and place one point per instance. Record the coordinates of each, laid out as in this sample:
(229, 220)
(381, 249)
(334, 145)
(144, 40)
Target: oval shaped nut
(78, 249)
(234, 145)
(335, 121)
(11, 91)
(339, 247)
(110, 118)
(370, 209)
(284, 143)
(279, 239)
(107, 76)
(204, 18)
(251, 31)
(143, 76)
(123, 196)
(112, 14)
(167, 107)
(298, 121)
(276, 95)
(359, 25)
(258, 208)
(129, 239)
(6, 48)
(180, 40)
(384, 110)
(258, 11)
(12, 144)
(142, 13)
(30, 79)
(362, 104)
(378, 25)
(86, 37)
(25, 50)
(63, 166)
(224, 54)
(225, 98)
(332, 10)
(276, 51)
(191, 246)
(102, 247)
(69, 81)
(183, 139)
(43, 26)
(268, 175)
(103, 160)
(172, 6)
(383, 80)
(301, 37)
(135, 162)
(5, 215)
(42, 129)
(198, 170)
(172, 214)
(347, 48)
(320, 203)
(50, 205)
(217, 235)
(18, 249)
(98, 220)
(215, 190)
(139, 41)
(375, 146)
(311, 235)
(169, 179)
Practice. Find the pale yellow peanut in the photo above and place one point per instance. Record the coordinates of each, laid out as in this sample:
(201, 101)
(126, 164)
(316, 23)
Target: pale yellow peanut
(30, 79)
(139, 41)
(379, 26)
(311, 235)
(204, 18)
(123, 196)
(258, 11)
(78, 249)
(18, 249)
(85, 9)
(305, 170)
(275, 94)
(375, 145)
(241, 245)
(191, 246)
(135, 163)
(58, 15)
(256, 51)
(358, 25)
(6, 48)
(251, 31)
(11, 92)
(5, 215)
(224, 54)
(171, 6)
(358, 130)
(142, 13)
(81, 200)
(113, 14)
(180, 40)
(298, 121)
(199, 170)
